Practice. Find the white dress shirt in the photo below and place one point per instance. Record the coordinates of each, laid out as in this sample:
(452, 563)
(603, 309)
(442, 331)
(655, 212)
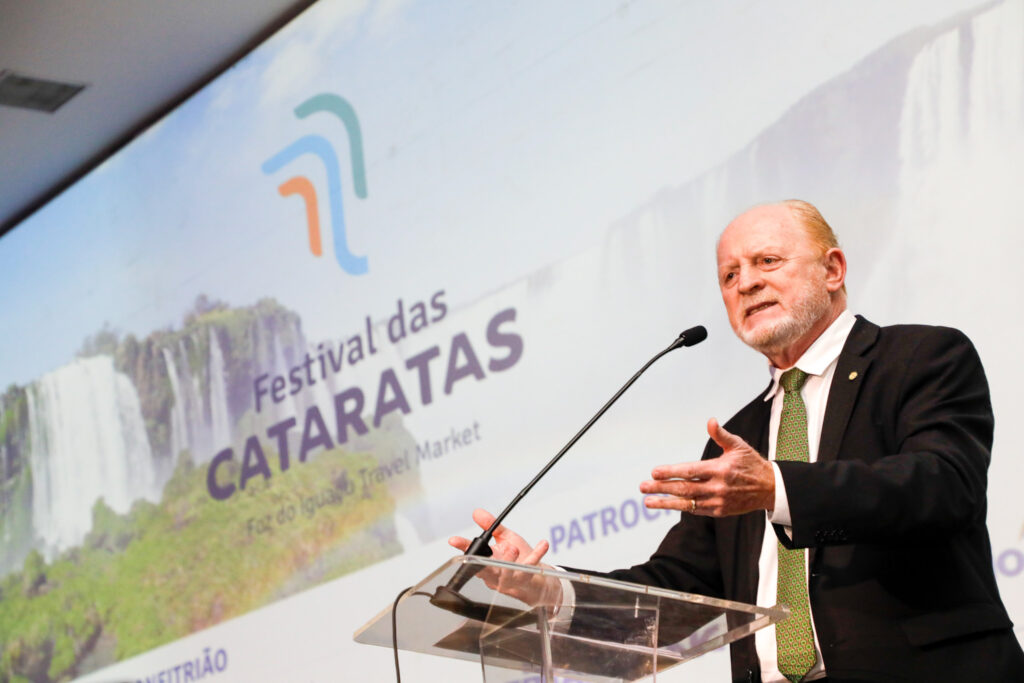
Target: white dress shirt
(819, 362)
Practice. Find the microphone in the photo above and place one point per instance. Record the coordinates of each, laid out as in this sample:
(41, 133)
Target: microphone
(480, 546)
(690, 337)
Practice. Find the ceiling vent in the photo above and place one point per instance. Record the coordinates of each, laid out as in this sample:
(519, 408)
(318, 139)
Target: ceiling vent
(18, 90)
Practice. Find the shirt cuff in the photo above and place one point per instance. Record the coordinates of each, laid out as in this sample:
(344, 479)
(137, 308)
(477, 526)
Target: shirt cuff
(565, 611)
(780, 515)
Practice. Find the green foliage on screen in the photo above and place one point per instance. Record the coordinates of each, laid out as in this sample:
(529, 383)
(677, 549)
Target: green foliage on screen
(166, 570)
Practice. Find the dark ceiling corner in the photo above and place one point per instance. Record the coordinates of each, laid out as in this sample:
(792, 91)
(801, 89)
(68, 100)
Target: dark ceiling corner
(161, 109)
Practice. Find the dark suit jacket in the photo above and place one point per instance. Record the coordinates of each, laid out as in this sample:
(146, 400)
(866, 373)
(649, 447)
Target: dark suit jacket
(901, 580)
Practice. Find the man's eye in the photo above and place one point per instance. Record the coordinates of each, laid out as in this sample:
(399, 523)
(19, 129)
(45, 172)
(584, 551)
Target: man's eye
(728, 277)
(769, 260)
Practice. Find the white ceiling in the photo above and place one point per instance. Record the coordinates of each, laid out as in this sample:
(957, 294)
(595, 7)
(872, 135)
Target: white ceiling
(138, 58)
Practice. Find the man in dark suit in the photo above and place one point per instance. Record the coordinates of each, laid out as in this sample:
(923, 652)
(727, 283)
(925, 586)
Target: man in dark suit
(853, 489)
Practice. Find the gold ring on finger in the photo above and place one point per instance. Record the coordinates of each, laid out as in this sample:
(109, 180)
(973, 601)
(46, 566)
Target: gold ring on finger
(693, 505)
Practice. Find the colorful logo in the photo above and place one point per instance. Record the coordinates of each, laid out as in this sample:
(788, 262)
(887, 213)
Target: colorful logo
(303, 187)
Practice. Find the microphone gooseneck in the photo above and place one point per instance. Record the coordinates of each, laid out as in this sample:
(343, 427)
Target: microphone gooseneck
(449, 597)
(481, 544)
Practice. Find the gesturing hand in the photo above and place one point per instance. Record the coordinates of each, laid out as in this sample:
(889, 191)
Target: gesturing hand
(509, 546)
(737, 482)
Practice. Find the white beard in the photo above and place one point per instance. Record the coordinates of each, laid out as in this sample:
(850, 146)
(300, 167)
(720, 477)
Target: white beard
(814, 303)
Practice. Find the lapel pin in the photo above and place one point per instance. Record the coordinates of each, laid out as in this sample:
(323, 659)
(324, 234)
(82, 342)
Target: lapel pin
(853, 375)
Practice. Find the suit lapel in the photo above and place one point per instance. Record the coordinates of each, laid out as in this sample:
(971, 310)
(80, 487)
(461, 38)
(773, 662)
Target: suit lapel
(846, 383)
(842, 395)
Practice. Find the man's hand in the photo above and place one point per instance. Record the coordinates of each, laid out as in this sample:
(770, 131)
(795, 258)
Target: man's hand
(508, 546)
(530, 588)
(736, 482)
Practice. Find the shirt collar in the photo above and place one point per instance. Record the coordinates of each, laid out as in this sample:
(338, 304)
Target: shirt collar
(820, 354)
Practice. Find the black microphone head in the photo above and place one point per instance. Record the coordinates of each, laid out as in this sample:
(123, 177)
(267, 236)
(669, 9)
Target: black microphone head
(694, 335)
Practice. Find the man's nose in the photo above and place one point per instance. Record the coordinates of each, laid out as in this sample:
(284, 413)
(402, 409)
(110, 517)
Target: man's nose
(750, 279)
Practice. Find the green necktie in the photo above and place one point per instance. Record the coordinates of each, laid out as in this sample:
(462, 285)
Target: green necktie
(794, 635)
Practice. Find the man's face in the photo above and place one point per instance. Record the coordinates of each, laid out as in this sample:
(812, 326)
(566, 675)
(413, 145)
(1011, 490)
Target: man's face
(773, 280)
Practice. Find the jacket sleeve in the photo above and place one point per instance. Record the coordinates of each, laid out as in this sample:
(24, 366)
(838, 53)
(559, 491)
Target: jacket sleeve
(686, 559)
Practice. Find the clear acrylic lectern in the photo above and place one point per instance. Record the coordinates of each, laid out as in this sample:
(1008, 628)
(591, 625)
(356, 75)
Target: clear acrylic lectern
(519, 621)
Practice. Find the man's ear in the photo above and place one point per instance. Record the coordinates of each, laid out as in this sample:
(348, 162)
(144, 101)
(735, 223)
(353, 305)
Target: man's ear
(835, 269)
